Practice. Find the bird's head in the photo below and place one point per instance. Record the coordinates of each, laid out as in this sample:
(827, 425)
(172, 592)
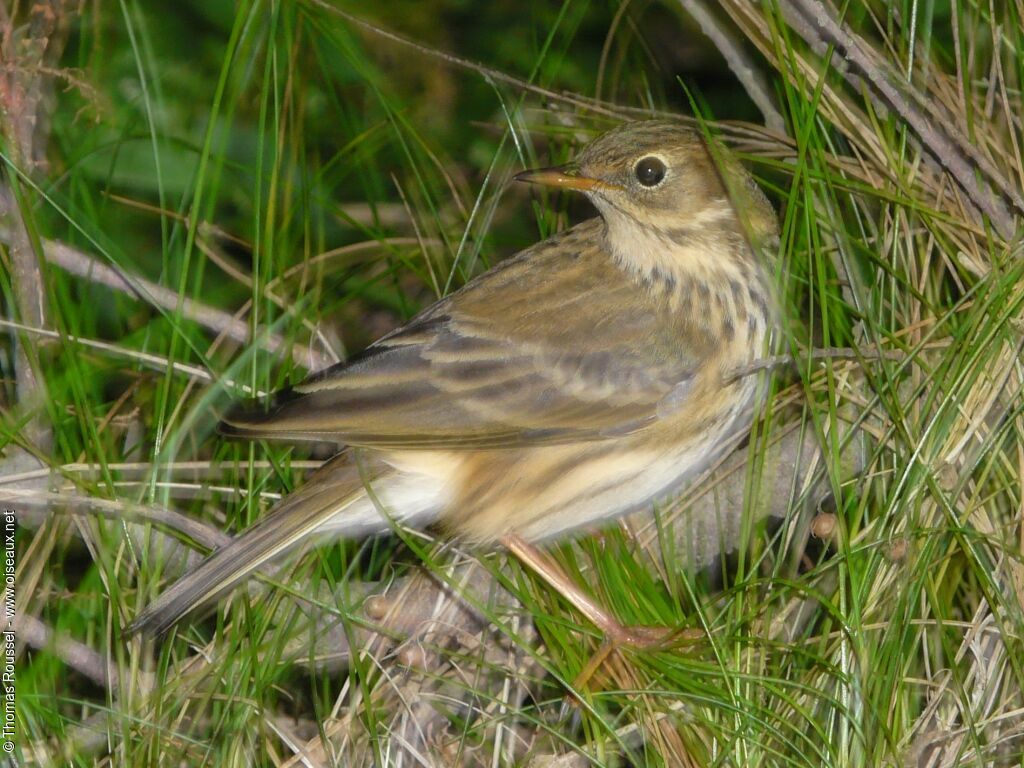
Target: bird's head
(661, 176)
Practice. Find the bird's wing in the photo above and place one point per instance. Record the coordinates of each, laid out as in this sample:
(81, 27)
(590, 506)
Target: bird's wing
(554, 345)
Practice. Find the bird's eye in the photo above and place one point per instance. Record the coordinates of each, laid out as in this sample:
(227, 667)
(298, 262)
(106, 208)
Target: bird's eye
(650, 171)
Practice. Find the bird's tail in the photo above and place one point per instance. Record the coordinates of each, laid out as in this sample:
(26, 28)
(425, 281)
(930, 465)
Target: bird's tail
(334, 499)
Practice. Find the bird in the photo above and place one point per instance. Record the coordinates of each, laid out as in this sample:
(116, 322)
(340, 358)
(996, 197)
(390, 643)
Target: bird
(582, 379)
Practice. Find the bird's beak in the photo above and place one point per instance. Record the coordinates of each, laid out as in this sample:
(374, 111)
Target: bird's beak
(564, 176)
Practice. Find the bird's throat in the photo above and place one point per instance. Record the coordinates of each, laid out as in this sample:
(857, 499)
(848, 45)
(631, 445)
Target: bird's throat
(704, 270)
(667, 257)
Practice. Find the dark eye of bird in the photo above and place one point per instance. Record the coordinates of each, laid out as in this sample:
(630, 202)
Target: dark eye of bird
(650, 171)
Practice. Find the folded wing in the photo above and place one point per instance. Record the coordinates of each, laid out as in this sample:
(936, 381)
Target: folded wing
(548, 348)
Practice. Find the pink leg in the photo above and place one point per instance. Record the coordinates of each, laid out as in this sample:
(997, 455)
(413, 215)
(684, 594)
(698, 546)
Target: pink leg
(544, 566)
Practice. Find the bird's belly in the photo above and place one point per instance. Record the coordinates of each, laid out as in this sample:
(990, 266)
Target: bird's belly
(605, 489)
(543, 492)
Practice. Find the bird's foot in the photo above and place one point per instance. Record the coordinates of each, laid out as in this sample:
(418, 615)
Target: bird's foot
(617, 634)
(638, 636)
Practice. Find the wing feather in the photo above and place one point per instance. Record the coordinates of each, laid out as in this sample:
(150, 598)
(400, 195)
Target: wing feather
(553, 346)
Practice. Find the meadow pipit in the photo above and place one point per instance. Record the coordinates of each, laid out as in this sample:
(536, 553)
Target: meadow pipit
(575, 382)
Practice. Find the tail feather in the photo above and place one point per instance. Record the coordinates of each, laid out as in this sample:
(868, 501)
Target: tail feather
(330, 497)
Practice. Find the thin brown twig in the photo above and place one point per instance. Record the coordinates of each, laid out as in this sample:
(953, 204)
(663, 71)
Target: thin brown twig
(594, 105)
(739, 62)
(953, 152)
(729, 129)
(206, 535)
(78, 656)
(81, 264)
(822, 353)
(156, 362)
(27, 53)
(197, 468)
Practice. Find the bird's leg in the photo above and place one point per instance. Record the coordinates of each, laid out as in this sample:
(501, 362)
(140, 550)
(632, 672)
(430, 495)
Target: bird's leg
(545, 566)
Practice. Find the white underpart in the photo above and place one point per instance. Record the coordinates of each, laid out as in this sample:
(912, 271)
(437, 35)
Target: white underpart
(422, 487)
(643, 477)
(664, 477)
(414, 496)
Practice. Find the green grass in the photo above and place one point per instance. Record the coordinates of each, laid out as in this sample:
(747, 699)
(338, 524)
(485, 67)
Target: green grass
(324, 183)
